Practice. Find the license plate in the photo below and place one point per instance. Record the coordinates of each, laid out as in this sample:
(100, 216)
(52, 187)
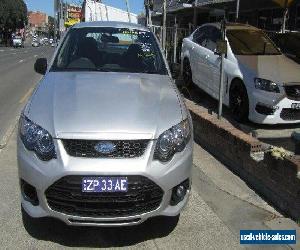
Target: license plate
(104, 184)
(296, 106)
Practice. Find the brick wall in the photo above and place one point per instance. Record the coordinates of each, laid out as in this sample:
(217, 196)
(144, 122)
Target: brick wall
(278, 181)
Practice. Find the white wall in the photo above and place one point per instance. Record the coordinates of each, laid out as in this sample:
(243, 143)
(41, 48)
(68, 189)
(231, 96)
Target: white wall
(100, 12)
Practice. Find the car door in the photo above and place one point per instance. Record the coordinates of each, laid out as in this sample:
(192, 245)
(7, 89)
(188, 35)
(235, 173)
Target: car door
(213, 60)
(197, 55)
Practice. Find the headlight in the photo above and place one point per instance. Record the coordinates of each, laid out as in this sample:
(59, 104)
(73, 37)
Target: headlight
(172, 141)
(37, 139)
(266, 85)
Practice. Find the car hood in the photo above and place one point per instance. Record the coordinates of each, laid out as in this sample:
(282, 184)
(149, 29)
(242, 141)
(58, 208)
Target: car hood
(277, 68)
(93, 105)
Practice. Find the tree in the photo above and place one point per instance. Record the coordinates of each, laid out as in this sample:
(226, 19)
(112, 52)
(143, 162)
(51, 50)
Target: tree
(13, 15)
(51, 23)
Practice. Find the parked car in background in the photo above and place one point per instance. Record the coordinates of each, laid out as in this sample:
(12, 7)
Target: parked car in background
(106, 139)
(41, 41)
(45, 41)
(261, 84)
(17, 42)
(35, 43)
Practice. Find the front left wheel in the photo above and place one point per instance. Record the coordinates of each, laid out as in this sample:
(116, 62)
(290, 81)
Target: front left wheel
(239, 101)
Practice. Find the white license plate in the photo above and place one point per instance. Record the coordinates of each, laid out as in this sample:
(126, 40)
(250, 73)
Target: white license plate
(104, 184)
(296, 106)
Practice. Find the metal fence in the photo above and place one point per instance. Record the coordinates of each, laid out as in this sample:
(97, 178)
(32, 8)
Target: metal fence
(174, 37)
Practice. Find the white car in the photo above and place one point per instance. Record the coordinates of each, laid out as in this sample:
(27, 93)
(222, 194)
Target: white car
(260, 83)
(18, 42)
(35, 44)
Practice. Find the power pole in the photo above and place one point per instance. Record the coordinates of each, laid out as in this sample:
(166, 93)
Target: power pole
(164, 25)
(128, 10)
(221, 87)
(195, 14)
(55, 18)
(147, 10)
(237, 10)
(286, 12)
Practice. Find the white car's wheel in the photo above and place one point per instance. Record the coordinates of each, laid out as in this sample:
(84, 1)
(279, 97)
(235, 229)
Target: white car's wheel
(239, 101)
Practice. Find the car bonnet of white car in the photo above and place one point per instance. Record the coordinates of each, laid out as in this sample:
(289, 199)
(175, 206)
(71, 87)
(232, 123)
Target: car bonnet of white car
(277, 68)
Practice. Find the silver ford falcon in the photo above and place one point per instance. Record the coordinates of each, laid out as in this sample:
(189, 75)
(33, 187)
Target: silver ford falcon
(105, 139)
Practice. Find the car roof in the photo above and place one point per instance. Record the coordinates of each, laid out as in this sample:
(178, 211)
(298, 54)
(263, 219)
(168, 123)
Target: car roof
(233, 26)
(110, 24)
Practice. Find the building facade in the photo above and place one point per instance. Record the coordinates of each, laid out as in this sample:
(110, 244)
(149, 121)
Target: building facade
(37, 22)
(73, 14)
(37, 19)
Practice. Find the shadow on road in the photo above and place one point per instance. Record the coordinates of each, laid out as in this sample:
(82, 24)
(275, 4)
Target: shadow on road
(49, 229)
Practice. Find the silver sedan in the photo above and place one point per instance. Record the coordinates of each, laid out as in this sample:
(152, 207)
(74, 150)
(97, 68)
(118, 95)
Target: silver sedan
(105, 140)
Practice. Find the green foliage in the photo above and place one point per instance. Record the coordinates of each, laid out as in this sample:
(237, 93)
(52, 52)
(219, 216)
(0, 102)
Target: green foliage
(13, 14)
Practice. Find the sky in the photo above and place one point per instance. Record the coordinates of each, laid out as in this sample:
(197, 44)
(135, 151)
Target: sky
(136, 6)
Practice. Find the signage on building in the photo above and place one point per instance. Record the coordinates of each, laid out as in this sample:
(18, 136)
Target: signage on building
(73, 16)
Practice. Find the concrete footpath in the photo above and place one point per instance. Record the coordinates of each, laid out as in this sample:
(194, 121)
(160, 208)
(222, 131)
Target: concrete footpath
(220, 205)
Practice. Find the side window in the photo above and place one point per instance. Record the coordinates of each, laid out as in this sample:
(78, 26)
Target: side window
(200, 36)
(214, 35)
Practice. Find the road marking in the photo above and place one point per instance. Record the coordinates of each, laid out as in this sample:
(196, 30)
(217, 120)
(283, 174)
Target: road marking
(25, 51)
(21, 61)
(35, 55)
(28, 93)
(1, 50)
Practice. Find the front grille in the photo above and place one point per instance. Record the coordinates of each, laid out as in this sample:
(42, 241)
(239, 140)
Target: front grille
(124, 149)
(290, 114)
(293, 92)
(66, 196)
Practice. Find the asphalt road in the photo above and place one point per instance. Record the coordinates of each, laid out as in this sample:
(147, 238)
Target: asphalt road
(220, 206)
(17, 81)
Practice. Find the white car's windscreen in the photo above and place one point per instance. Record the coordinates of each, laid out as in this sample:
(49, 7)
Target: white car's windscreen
(251, 42)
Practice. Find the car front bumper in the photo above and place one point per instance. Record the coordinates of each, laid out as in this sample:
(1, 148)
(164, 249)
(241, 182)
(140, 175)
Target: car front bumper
(41, 175)
(283, 112)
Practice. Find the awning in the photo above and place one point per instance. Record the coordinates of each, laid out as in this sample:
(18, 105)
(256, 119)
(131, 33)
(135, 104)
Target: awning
(208, 2)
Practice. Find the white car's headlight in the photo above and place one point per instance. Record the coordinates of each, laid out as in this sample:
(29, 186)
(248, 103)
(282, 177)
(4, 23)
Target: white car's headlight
(266, 85)
(37, 139)
(172, 141)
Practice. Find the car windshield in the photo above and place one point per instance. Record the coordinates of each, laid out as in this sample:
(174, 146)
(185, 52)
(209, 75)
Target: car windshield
(251, 42)
(109, 50)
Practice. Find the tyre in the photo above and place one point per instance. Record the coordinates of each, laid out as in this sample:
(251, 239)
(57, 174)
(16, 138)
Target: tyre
(187, 73)
(239, 101)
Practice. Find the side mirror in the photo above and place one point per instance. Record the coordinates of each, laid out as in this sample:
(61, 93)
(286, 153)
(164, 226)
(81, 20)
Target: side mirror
(175, 70)
(221, 47)
(40, 66)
